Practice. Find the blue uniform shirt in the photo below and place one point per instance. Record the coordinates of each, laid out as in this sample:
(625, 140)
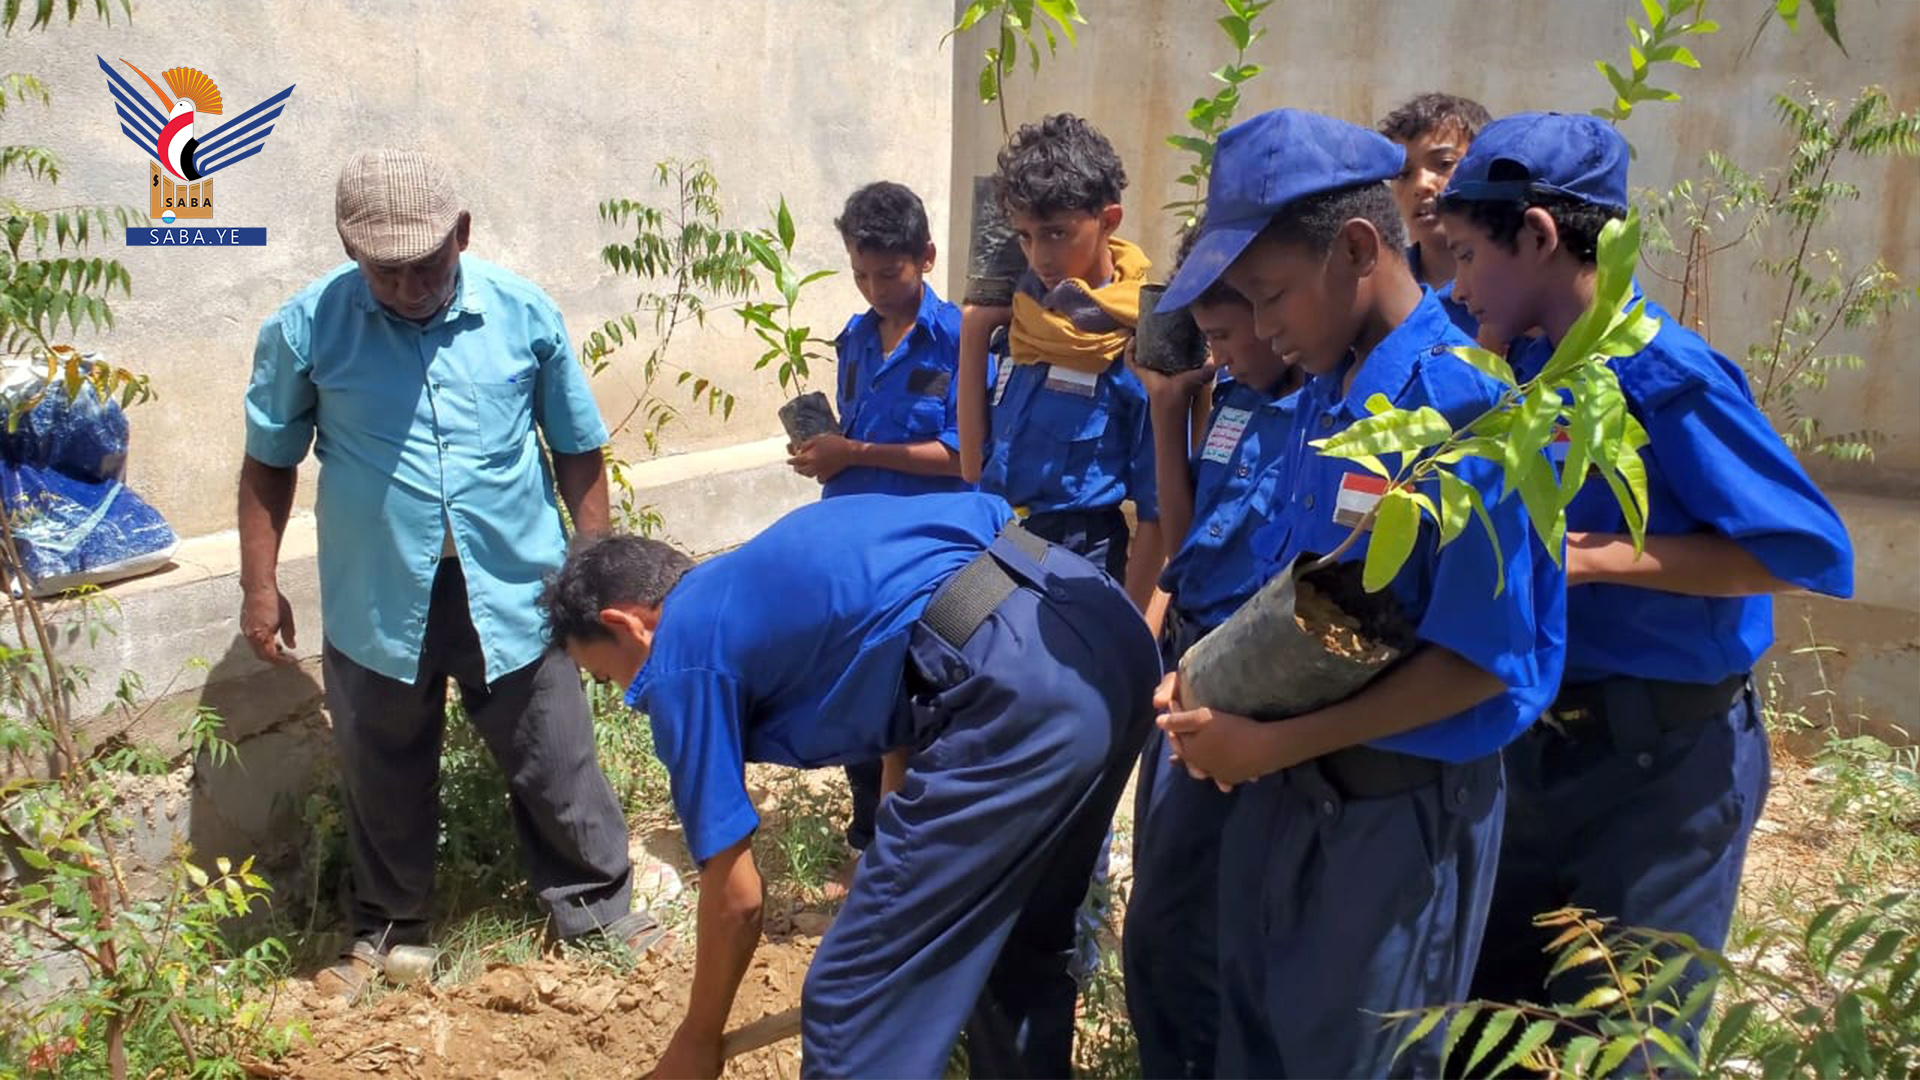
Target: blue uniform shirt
(424, 431)
(904, 396)
(1446, 593)
(1456, 310)
(792, 648)
(1713, 462)
(1236, 477)
(1063, 440)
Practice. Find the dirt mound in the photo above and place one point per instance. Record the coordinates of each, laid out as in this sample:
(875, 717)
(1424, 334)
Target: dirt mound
(546, 1019)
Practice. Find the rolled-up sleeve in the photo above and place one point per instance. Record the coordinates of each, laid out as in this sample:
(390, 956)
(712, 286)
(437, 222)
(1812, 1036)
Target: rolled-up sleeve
(563, 401)
(281, 400)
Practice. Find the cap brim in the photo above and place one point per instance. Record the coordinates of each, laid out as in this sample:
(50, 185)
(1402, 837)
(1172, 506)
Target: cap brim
(1212, 253)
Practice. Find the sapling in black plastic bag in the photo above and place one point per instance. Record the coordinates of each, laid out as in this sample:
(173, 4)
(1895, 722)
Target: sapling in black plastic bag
(1284, 653)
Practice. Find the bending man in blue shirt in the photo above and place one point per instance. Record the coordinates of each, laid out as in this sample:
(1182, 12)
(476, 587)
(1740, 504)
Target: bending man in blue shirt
(1008, 683)
(418, 376)
(1635, 796)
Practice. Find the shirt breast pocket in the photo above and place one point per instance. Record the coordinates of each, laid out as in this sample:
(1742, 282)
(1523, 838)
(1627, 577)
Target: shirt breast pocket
(503, 414)
(919, 419)
(1067, 429)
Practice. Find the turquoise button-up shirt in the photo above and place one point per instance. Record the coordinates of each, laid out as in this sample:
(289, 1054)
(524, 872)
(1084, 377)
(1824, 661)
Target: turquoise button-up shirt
(425, 432)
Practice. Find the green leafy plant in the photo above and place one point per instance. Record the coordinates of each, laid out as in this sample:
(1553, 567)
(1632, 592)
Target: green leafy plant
(1015, 23)
(1786, 208)
(791, 347)
(45, 276)
(692, 265)
(1209, 116)
(695, 266)
(1576, 394)
(1659, 41)
(1826, 12)
(1842, 999)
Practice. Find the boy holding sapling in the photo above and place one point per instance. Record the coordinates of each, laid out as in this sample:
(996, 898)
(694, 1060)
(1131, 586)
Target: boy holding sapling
(1357, 861)
(1635, 795)
(895, 391)
(1215, 497)
(896, 360)
(1434, 129)
(1069, 438)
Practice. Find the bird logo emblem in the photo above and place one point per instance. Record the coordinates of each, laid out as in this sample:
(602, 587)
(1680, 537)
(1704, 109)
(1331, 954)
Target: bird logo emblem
(184, 157)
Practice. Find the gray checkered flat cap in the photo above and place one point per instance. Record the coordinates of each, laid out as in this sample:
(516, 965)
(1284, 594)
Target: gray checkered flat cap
(395, 206)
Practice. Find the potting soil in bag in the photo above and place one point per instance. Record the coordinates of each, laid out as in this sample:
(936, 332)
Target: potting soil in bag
(1166, 341)
(1308, 638)
(808, 416)
(994, 259)
(61, 470)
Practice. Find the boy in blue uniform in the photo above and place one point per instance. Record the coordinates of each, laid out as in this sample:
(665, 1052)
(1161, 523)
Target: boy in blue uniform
(1434, 129)
(1008, 682)
(1070, 438)
(896, 388)
(896, 360)
(1216, 497)
(1357, 861)
(1636, 794)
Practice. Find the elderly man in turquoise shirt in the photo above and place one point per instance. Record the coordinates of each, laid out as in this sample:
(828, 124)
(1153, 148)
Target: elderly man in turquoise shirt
(418, 376)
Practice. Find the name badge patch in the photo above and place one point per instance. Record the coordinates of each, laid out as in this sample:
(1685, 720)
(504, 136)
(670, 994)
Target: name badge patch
(1069, 381)
(1359, 494)
(1225, 435)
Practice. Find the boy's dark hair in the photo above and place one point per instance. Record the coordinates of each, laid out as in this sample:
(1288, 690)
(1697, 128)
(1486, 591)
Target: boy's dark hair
(1217, 293)
(1432, 112)
(1059, 164)
(1578, 222)
(1315, 220)
(885, 217)
(610, 571)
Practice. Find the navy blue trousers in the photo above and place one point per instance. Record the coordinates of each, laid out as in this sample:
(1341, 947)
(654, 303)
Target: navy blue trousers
(1169, 951)
(963, 911)
(1336, 910)
(1644, 825)
(1099, 536)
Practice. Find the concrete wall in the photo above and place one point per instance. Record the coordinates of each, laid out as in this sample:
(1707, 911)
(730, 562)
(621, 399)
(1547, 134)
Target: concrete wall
(543, 110)
(1141, 62)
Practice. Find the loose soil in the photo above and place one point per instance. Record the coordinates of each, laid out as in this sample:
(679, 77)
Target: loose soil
(555, 1018)
(1330, 604)
(544, 1019)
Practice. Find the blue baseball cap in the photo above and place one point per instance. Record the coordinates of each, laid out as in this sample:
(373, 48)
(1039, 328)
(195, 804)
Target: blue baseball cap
(1538, 153)
(1262, 165)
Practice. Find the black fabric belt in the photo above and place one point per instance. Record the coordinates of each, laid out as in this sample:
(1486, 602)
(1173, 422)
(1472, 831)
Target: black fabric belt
(1363, 772)
(1106, 519)
(968, 597)
(1581, 709)
(1181, 633)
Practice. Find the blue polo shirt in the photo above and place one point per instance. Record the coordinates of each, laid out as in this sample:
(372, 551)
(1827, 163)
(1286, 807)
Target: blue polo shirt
(791, 649)
(1713, 462)
(1446, 593)
(1066, 440)
(1456, 310)
(425, 430)
(903, 396)
(1236, 478)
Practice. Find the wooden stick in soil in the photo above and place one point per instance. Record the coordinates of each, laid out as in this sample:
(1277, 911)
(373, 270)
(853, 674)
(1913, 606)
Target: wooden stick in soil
(757, 1035)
